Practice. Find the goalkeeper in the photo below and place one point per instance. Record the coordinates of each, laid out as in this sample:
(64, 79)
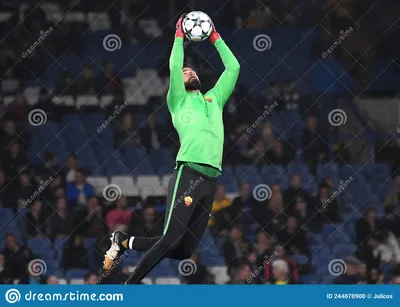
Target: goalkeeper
(198, 120)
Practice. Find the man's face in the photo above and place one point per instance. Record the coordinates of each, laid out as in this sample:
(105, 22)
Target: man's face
(91, 280)
(191, 80)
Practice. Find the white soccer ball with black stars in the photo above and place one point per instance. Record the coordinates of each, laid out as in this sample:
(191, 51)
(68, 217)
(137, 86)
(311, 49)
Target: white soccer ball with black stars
(197, 26)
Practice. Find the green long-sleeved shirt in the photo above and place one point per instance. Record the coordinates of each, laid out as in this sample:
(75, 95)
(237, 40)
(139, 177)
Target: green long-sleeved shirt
(198, 118)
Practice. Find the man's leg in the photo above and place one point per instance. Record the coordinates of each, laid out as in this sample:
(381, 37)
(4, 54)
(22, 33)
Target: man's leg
(198, 223)
(182, 207)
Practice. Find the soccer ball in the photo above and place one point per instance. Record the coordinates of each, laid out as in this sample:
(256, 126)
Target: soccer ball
(197, 26)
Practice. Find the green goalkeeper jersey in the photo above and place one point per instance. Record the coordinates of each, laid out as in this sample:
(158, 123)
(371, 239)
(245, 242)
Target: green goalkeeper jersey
(197, 117)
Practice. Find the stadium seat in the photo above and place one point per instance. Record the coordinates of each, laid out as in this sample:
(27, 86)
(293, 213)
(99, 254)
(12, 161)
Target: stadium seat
(126, 185)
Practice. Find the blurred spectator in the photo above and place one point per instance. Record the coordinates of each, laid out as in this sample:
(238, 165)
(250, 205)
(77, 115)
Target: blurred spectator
(366, 226)
(5, 275)
(293, 238)
(150, 134)
(52, 280)
(13, 160)
(264, 248)
(87, 83)
(75, 254)
(280, 254)
(385, 247)
(270, 217)
(23, 189)
(235, 247)
(325, 207)
(146, 224)
(392, 197)
(313, 144)
(108, 82)
(126, 133)
(302, 213)
(17, 258)
(280, 272)
(66, 86)
(201, 275)
(237, 148)
(363, 273)
(241, 274)
(90, 279)
(77, 192)
(5, 200)
(220, 202)
(8, 134)
(35, 222)
(89, 221)
(240, 210)
(396, 277)
(49, 168)
(350, 276)
(61, 222)
(120, 217)
(19, 110)
(72, 168)
(375, 277)
(293, 192)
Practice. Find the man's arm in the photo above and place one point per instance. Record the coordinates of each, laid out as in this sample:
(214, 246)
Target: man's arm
(226, 83)
(176, 91)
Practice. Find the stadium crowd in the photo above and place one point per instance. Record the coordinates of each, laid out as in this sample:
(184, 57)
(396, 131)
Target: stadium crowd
(260, 241)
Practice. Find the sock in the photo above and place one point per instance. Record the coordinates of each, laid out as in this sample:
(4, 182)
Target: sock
(130, 242)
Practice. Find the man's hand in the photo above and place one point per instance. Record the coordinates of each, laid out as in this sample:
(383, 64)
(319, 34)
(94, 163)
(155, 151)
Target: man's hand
(214, 34)
(179, 30)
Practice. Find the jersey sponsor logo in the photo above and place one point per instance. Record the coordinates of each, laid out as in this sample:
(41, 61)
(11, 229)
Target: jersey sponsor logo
(188, 200)
(208, 98)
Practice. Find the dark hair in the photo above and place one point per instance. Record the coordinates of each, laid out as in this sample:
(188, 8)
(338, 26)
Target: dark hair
(187, 65)
(87, 276)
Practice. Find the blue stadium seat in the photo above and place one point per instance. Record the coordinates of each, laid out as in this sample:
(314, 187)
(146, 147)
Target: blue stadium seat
(76, 273)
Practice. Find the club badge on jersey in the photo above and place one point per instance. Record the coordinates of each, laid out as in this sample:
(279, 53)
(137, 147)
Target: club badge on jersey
(188, 201)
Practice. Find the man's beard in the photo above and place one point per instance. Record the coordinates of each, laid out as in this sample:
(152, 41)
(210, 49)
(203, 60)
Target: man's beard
(193, 84)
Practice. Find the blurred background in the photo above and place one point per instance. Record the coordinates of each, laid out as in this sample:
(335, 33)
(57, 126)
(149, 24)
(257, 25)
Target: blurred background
(310, 185)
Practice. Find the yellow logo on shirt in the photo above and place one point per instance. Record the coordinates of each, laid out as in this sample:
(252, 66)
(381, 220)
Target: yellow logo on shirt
(188, 200)
(209, 99)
